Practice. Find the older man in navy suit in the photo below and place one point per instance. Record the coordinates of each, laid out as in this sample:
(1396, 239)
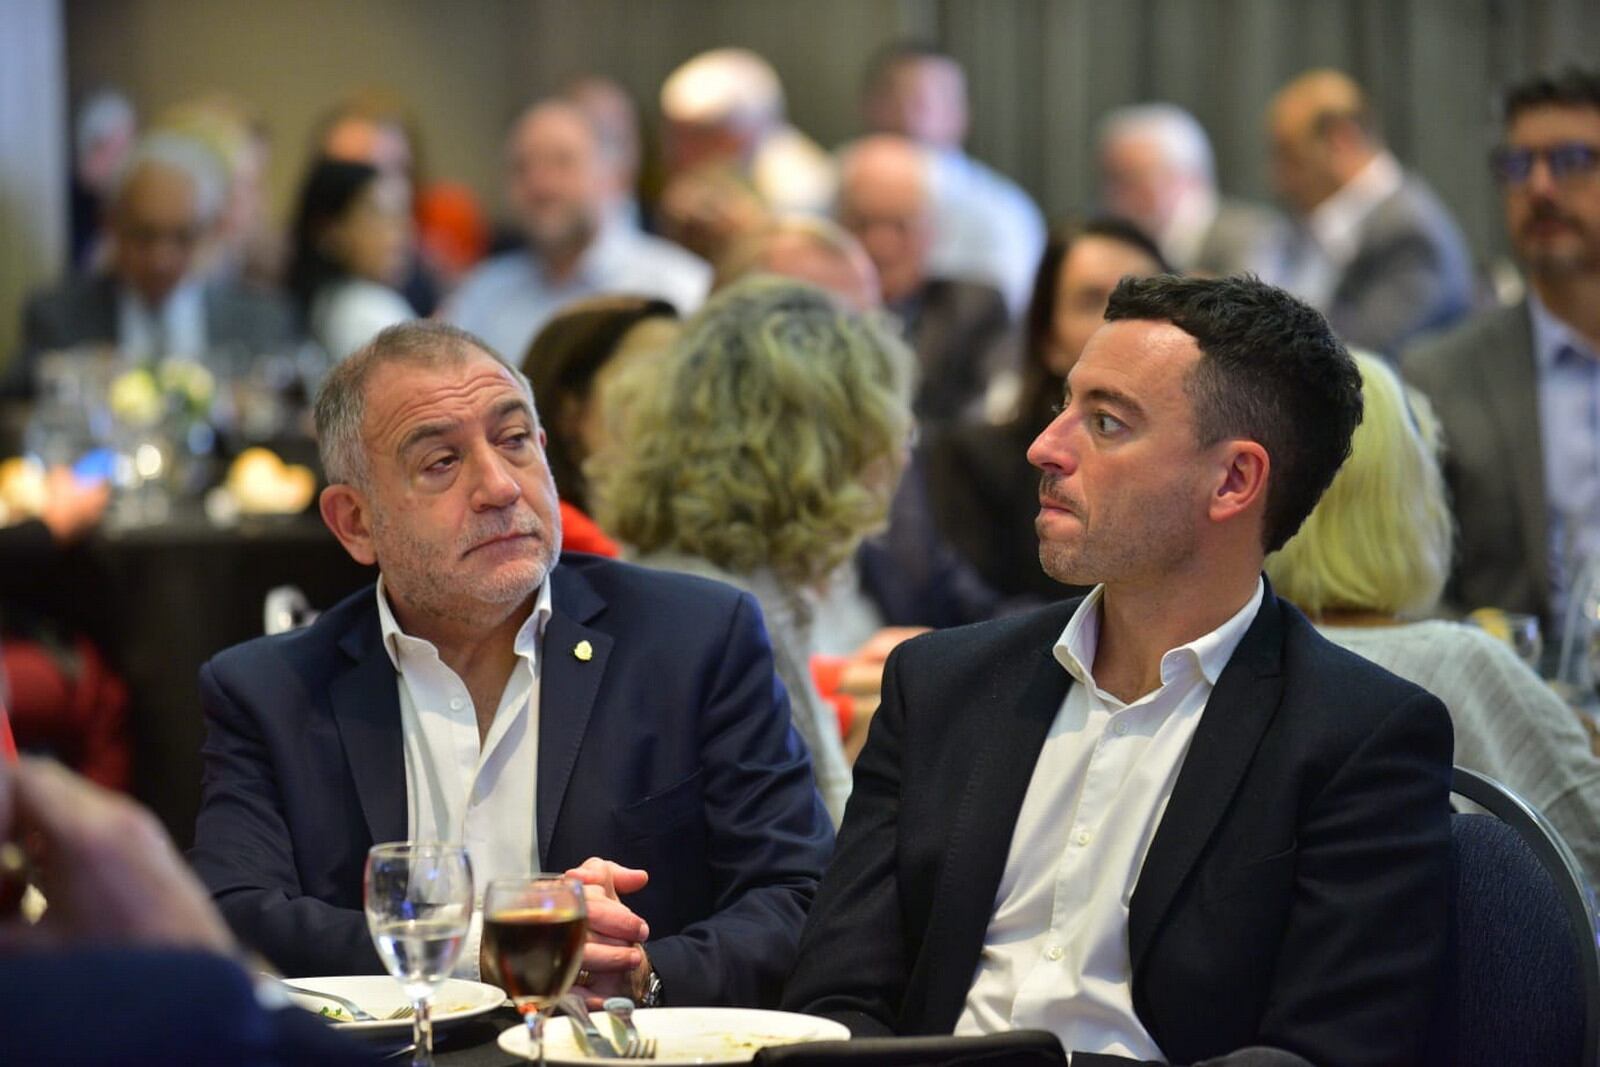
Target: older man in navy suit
(586, 715)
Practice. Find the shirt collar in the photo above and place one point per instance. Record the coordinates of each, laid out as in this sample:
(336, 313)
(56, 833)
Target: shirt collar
(1335, 222)
(397, 643)
(1553, 340)
(1209, 653)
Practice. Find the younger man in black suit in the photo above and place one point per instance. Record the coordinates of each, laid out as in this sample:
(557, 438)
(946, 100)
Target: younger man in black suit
(1228, 832)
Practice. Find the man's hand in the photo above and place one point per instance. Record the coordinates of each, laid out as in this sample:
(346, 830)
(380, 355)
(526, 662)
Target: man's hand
(107, 868)
(614, 956)
(71, 508)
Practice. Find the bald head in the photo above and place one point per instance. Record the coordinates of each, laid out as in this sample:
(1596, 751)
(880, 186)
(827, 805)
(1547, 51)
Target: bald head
(1322, 135)
(810, 250)
(884, 201)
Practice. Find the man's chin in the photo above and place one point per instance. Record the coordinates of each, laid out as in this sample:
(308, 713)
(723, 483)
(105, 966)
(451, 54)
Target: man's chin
(1064, 565)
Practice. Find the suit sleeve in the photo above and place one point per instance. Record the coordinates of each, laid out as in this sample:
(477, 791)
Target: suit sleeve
(1409, 294)
(244, 855)
(769, 836)
(853, 963)
(1359, 963)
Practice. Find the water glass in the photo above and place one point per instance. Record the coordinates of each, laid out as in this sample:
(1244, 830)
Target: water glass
(418, 899)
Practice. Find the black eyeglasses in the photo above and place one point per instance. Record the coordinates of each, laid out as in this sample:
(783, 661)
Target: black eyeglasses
(1568, 161)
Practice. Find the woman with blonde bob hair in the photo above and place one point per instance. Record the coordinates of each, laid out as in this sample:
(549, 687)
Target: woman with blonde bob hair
(1376, 551)
(760, 451)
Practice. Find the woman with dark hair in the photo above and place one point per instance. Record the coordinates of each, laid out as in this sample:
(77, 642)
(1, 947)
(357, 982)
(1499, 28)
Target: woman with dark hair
(984, 492)
(352, 244)
(572, 363)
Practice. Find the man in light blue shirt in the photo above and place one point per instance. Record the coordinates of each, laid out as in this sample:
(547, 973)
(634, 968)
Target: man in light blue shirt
(987, 229)
(1517, 389)
(569, 200)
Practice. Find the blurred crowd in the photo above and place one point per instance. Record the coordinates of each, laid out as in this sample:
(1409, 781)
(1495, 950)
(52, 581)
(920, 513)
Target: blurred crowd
(867, 487)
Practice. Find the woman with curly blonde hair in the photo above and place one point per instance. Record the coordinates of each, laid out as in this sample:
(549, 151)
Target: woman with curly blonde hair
(760, 451)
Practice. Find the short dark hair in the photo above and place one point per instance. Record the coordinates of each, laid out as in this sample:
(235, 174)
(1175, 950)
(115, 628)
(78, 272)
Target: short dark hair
(1270, 370)
(1569, 87)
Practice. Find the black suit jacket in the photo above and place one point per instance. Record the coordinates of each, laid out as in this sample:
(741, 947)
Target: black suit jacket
(670, 749)
(83, 311)
(1294, 892)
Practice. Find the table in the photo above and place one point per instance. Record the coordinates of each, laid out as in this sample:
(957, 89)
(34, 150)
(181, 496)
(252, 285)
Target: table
(161, 600)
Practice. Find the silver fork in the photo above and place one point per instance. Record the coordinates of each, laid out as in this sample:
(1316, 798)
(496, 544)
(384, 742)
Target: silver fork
(635, 1046)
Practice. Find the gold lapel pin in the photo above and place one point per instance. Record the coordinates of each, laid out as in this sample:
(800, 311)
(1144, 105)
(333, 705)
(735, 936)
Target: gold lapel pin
(584, 651)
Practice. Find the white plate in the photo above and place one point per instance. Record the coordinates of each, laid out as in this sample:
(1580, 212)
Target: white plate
(688, 1035)
(456, 999)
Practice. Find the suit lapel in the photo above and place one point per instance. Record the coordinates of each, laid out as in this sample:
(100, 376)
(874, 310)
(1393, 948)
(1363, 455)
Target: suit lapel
(366, 709)
(1511, 388)
(568, 686)
(1011, 728)
(1241, 705)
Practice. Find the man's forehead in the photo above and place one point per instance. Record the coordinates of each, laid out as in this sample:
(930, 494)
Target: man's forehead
(1559, 119)
(401, 393)
(1136, 355)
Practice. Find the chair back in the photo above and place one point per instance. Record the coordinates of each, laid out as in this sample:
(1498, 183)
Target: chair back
(1523, 982)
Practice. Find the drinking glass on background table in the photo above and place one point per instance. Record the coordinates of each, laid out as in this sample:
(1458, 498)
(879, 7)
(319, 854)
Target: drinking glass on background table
(534, 929)
(419, 906)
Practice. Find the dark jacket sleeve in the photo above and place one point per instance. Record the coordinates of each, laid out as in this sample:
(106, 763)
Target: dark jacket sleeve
(853, 961)
(769, 836)
(244, 855)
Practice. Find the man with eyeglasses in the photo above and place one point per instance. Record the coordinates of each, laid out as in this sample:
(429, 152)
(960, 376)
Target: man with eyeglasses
(151, 302)
(1518, 389)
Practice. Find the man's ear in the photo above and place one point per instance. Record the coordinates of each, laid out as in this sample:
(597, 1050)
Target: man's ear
(1242, 482)
(344, 508)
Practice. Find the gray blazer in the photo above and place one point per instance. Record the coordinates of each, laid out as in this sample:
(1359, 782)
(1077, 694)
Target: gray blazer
(1483, 381)
(1243, 237)
(1412, 273)
(83, 310)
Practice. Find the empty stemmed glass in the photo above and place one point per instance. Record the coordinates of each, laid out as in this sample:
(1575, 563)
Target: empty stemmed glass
(534, 929)
(419, 906)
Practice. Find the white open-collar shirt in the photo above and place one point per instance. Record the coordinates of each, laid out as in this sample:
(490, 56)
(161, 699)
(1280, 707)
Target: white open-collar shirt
(1055, 956)
(482, 796)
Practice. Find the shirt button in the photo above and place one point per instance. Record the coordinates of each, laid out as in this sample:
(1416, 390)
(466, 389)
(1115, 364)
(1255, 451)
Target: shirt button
(1120, 728)
(455, 705)
(1053, 953)
(1084, 837)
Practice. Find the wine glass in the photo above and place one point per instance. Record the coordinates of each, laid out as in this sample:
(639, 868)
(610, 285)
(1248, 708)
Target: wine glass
(419, 905)
(534, 929)
(1525, 639)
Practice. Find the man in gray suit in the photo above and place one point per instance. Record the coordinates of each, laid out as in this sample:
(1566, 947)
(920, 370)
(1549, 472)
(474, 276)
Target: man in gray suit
(1377, 252)
(151, 304)
(1518, 389)
(1157, 171)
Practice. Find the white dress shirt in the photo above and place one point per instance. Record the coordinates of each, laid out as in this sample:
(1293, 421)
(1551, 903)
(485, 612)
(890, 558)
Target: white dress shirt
(1055, 956)
(458, 791)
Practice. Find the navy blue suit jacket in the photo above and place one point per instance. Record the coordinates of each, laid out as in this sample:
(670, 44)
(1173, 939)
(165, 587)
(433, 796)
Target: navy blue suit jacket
(1294, 894)
(132, 1007)
(670, 750)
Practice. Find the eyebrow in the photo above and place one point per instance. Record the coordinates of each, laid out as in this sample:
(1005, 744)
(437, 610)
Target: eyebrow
(1106, 395)
(439, 428)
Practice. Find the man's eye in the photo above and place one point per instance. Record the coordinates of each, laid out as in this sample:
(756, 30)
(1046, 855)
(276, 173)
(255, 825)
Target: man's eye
(440, 464)
(1104, 424)
(516, 439)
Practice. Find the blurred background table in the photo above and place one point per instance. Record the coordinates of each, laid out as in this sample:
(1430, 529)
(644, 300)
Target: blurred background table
(161, 600)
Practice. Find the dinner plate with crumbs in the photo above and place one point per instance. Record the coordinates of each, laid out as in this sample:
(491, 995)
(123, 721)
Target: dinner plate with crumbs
(687, 1035)
(456, 999)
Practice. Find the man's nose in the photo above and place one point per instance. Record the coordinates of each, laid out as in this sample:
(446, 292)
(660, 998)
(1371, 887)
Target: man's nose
(1056, 448)
(494, 486)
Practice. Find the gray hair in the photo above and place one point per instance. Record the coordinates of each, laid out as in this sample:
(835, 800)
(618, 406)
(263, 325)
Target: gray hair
(1181, 138)
(341, 404)
(185, 155)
